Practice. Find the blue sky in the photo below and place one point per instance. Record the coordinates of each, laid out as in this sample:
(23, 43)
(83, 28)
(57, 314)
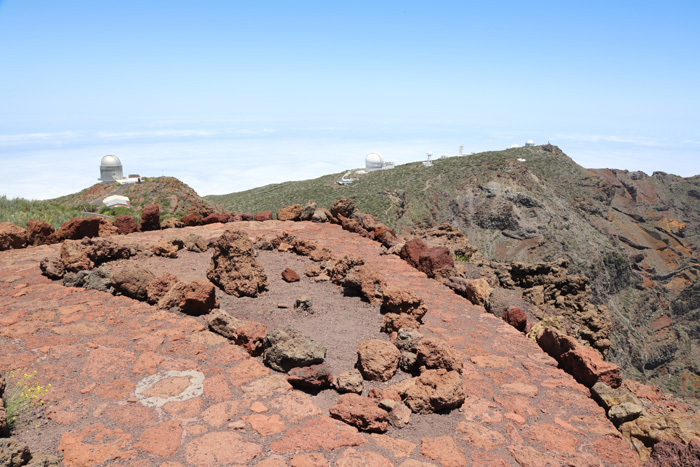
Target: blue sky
(228, 95)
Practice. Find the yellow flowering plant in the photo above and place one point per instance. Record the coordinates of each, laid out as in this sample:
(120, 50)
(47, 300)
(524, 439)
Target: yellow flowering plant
(22, 395)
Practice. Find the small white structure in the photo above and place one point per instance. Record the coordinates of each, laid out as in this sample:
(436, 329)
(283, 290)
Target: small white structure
(530, 143)
(513, 146)
(347, 179)
(427, 163)
(374, 161)
(116, 201)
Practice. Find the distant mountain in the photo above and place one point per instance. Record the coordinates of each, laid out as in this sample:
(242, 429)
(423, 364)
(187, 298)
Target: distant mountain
(635, 236)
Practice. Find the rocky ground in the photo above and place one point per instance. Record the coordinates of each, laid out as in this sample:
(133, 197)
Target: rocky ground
(136, 385)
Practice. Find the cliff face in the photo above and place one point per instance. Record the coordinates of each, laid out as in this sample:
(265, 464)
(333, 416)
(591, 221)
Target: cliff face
(634, 236)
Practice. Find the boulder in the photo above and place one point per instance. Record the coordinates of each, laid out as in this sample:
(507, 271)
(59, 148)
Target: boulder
(412, 250)
(246, 216)
(263, 216)
(102, 250)
(287, 348)
(99, 279)
(290, 213)
(500, 300)
(399, 415)
(392, 322)
(434, 391)
(386, 237)
(645, 432)
(13, 453)
(165, 248)
(78, 228)
(132, 280)
(289, 275)
(409, 362)
(107, 228)
(150, 218)
(159, 287)
(75, 279)
(367, 281)
(125, 224)
(349, 381)
(433, 353)
(39, 233)
(588, 367)
(343, 207)
(314, 377)
(608, 397)
(360, 412)
(407, 340)
(11, 236)
(377, 360)
(171, 223)
(215, 218)
(437, 262)
(516, 318)
(308, 211)
(196, 243)
(251, 336)
(625, 412)
(402, 302)
(191, 220)
(319, 216)
(305, 304)
(555, 342)
(74, 257)
(478, 291)
(199, 298)
(234, 267)
(667, 453)
(223, 323)
(52, 268)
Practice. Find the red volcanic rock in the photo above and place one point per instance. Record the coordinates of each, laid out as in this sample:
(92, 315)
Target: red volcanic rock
(234, 267)
(433, 391)
(392, 322)
(250, 335)
(403, 302)
(263, 216)
(107, 228)
(289, 275)
(40, 232)
(52, 268)
(435, 353)
(667, 452)
(290, 213)
(74, 257)
(215, 218)
(125, 224)
(79, 227)
(386, 237)
(436, 262)
(360, 412)
(191, 220)
(11, 236)
(314, 377)
(366, 280)
(132, 280)
(171, 223)
(246, 216)
(343, 207)
(160, 286)
(150, 218)
(198, 298)
(588, 368)
(352, 225)
(412, 251)
(377, 360)
(555, 343)
(516, 318)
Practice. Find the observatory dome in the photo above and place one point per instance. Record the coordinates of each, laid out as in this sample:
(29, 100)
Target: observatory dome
(110, 168)
(374, 161)
(530, 143)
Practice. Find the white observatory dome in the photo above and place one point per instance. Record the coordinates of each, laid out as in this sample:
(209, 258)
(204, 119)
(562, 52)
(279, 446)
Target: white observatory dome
(110, 167)
(513, 146)
(374, 161)
(530, 143)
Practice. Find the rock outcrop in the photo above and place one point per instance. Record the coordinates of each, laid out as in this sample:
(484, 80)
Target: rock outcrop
(234, 267)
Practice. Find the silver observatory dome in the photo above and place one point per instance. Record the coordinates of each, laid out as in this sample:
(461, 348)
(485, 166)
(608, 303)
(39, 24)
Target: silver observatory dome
(110, 167)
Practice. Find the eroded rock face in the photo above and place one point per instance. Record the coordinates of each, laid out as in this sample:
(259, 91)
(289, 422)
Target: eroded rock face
(132, 280)
(287, 348)
(645, 432)
(667, 453)
(40, 233)
(234, 267)
(360, 412)
(377, 360)
(433, 391)
(150, 218)
(11, 236)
